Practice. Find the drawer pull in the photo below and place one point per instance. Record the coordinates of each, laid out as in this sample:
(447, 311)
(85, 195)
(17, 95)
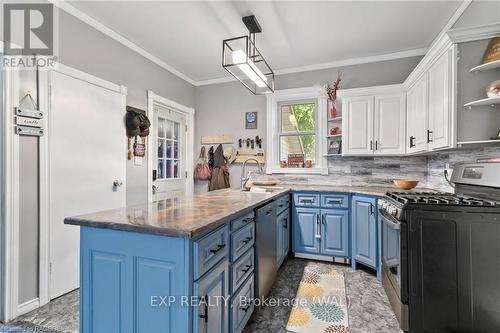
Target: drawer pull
(285, 224)
(334, 201)
(246, 240)
(205, 301)
(306, 201)
(219, 247)
(247, 268)
(249, 219)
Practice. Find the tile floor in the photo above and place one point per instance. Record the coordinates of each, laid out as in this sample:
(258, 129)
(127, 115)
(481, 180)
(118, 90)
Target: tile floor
(369, 310)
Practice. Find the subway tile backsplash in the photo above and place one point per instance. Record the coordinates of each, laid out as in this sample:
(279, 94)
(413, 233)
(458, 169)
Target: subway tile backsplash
(376, 171)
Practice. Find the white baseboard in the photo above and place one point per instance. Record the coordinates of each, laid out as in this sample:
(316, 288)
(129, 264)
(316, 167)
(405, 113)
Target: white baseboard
(28, 306)
(322, 258)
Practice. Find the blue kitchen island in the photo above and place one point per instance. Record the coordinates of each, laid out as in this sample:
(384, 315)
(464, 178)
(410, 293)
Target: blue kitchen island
(192, 265)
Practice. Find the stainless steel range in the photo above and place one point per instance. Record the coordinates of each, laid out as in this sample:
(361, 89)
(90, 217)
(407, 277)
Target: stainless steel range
(441, 253)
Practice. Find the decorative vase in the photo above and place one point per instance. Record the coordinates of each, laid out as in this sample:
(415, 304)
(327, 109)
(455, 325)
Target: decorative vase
(333, 110)
(493, 89)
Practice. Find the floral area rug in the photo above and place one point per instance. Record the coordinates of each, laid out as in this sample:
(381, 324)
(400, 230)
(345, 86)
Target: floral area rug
(321, 303)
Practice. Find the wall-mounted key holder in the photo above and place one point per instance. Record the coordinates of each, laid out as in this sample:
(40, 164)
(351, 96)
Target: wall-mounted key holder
(29, 131)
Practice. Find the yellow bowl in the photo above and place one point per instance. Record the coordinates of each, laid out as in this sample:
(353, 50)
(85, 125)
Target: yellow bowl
(405, 184)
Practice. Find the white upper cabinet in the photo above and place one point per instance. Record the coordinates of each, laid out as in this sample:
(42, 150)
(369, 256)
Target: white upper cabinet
(358, 125)
(431, 102)
(417, 116)
(374, 121)
(440, 103)
(390, 120)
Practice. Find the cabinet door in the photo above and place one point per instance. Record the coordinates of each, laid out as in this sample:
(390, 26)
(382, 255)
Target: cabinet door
(440, 120)
(358, 128)
(335, 232)
(364, 229)
(306, 237)
(417, 116)
(212, 313)
(283, 236)
(390, 124)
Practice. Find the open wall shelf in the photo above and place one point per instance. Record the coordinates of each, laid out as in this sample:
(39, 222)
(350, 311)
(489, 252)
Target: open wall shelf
(484, 67)
(484, 101)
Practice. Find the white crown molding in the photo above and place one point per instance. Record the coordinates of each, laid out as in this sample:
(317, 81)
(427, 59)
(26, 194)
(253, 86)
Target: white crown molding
(387, 89)
(119, 38)
(469, 34)
(331, 64)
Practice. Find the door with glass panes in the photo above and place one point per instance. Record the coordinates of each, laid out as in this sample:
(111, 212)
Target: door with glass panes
(169, 178)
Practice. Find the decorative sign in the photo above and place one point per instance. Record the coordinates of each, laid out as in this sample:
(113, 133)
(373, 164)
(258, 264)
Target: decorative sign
(139, 149)
(29, 131)
(493, 51)
(296, 160)
(251, 120)
(25, 121)
(29, 113)
(335, 147)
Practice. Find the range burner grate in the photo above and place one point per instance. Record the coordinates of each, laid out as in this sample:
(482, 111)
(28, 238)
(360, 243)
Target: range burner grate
(439, 198)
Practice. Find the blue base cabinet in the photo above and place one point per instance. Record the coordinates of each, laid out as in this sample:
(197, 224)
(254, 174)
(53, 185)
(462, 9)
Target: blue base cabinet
(364, 231)
(323, 230)
(335, 232)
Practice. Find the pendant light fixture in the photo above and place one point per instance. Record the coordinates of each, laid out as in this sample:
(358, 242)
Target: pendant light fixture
(242, 59)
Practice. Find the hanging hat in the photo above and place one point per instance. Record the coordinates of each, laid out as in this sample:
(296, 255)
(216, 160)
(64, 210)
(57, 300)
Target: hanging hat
(230, 154)
(144, 124)
(132, 123)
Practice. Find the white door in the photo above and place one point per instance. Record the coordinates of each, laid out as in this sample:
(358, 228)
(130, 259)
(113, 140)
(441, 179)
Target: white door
(87, 153)
(359, 125)
(439, 103)
(169, 159)
(417, 116)
(390, 121)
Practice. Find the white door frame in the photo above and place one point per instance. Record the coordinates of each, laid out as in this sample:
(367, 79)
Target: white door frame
(9, 186)
(45, 97)
(189, 113)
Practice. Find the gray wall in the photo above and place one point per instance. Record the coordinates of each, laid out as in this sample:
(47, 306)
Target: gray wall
(221, 108)
(479, 13)
(87, 49)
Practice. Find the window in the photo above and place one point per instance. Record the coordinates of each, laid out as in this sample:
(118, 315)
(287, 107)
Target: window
(168, 149)
(296, 128)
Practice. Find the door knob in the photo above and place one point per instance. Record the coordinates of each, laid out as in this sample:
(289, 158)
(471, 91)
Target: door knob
(116, 184)
(155, 188)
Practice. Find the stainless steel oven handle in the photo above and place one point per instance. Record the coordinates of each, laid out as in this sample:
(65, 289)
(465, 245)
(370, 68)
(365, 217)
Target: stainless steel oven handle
(390, 221)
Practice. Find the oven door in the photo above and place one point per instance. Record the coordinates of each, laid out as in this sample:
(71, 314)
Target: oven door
(393, 259)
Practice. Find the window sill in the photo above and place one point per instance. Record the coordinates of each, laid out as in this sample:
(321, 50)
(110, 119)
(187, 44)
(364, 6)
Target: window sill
(302, 171)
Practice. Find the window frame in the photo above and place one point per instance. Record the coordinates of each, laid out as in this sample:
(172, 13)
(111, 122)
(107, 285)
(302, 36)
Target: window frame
(274, 134)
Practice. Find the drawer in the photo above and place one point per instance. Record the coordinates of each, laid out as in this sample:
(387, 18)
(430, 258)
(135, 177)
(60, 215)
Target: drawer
(335, 200)
(242, 269)
(242, 306)
(306, 199)
(242, 240)
(283, 203)
(209, 250)
(242, 221)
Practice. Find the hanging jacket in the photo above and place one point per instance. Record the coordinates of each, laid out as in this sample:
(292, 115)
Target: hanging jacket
(219, 179)
(219, 156)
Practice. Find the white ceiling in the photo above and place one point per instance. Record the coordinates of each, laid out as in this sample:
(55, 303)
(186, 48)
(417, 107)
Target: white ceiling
(188, 35)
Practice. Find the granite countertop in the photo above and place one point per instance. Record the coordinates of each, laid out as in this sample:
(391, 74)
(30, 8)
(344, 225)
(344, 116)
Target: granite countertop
(195, 216)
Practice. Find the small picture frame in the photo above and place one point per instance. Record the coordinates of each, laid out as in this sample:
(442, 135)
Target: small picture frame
(251, 120)
(335, 147)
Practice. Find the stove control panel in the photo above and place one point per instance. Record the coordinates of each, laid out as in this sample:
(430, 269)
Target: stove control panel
(389, 209)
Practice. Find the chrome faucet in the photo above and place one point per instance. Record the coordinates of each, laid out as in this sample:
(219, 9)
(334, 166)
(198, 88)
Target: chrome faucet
(244, 176)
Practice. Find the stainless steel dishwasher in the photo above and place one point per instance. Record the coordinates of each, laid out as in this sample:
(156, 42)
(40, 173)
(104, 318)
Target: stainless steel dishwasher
(266, 248)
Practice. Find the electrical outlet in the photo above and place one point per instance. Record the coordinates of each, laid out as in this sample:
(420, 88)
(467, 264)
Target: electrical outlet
(347, 168)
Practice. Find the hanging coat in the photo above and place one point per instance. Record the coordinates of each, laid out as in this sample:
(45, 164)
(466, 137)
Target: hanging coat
(220, 171)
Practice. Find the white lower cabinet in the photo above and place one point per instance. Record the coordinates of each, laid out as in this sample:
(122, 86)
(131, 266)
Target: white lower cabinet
(375, 121)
